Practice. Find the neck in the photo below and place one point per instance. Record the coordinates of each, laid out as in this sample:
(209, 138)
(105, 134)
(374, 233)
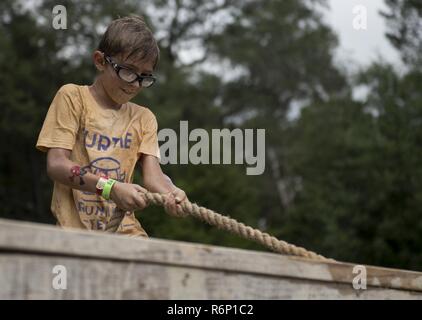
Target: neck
(101, 96)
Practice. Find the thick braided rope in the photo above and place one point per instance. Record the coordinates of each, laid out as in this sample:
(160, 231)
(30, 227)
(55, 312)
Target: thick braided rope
(228, 224)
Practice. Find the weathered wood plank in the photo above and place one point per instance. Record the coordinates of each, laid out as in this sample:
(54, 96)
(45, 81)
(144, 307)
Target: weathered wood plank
(30, 277)
(170, 265)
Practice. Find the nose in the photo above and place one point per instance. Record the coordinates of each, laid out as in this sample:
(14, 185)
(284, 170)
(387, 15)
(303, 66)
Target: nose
(135, 85)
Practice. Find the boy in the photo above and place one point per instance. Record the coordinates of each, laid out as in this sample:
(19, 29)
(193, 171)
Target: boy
(94, 136)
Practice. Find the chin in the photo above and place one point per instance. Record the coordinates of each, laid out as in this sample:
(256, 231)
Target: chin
(121, 99)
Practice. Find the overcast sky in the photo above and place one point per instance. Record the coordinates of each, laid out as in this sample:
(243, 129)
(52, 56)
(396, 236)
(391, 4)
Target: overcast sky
(357, 48)
(361, 46)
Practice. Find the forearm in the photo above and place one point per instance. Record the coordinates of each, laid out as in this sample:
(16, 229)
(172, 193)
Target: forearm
(153, 177)
(73, 175)
(158, 183)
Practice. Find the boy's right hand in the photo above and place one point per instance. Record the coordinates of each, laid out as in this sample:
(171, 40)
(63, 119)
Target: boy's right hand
(127, 196)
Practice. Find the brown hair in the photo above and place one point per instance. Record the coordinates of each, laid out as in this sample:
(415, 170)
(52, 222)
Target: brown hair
(130, 36)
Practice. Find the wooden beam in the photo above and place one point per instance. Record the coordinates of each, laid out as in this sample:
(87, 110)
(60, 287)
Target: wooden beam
(114, 266)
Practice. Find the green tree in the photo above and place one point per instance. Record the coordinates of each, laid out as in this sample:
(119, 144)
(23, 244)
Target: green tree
(404, 19)
(358, 165)
(284, 52)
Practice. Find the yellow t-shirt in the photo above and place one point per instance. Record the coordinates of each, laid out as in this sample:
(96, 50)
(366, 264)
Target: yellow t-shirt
(105, 140)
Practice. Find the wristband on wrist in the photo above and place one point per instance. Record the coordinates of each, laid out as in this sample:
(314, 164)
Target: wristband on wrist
(100, 185)
(107, 189)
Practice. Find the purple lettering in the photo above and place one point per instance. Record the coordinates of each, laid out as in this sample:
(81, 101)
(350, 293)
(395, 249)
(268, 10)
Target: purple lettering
(103, 143)
(93, 141)
(128, 140)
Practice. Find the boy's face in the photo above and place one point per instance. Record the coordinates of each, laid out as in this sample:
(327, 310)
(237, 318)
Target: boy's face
(117, 89)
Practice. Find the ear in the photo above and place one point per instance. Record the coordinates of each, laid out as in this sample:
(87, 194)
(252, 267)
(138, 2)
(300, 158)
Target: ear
(99, 61)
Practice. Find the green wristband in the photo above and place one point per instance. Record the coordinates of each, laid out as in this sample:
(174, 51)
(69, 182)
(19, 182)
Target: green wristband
(107, 189)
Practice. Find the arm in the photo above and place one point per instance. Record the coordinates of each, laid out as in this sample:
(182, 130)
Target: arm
(154, 178)
(61, 169)
(156, 181)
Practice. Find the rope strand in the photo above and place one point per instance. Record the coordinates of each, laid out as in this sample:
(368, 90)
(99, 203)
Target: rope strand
(222, 222)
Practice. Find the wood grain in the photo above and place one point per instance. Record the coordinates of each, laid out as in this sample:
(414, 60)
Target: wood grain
(102, 266)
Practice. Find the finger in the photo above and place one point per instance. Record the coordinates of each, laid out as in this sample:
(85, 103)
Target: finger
(140, 201)
(173, 206)
(179, 208)
(181, 198)
(141, 205)
(179, 195)
(140, 195)
(170, 204)
(140, 189)
(167, 202)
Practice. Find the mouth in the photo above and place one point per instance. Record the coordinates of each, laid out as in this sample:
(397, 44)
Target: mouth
(128, 92)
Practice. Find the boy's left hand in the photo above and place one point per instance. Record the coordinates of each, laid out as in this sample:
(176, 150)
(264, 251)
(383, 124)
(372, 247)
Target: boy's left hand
(174, 200)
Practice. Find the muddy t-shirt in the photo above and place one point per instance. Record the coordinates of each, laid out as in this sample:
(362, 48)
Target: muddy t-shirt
(103, 140)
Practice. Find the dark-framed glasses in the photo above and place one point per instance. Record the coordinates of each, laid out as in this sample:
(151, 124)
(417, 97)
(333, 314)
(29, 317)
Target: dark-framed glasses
(129, 76)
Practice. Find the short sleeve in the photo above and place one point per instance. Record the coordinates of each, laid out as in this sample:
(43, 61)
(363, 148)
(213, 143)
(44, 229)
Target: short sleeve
(61, 124)
(149, 139)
